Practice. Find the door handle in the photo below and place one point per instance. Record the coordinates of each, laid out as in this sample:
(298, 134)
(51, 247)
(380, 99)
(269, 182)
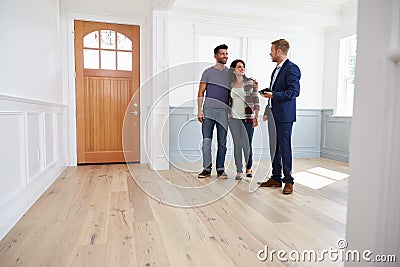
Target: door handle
(135, 113)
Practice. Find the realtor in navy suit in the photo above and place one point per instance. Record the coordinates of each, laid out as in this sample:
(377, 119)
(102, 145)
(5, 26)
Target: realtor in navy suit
(285, 86)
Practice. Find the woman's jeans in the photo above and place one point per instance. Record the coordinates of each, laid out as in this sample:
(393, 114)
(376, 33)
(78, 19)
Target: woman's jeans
(214, 117)
(242, 134)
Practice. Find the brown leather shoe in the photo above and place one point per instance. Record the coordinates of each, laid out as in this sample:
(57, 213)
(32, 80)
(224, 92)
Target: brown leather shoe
(270, 183)
(288, 189)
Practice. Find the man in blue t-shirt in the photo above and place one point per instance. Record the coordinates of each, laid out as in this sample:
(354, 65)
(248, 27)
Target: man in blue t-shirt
(214, 111)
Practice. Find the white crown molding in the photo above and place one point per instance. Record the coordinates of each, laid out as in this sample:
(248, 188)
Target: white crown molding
(326, 7)
(77, 14)
(163, 4)
(250, 24)
(298, 13)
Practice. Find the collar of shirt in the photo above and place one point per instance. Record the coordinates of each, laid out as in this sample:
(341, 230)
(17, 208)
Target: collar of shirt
(281, 64)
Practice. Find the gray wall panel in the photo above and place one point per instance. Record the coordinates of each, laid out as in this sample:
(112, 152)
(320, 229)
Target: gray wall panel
(335, 136)
(315, 134)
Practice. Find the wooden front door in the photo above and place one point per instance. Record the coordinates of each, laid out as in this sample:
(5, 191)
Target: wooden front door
(107, 79)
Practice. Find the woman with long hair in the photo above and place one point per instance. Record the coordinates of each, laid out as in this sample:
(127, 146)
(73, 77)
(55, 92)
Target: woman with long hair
(243, 116)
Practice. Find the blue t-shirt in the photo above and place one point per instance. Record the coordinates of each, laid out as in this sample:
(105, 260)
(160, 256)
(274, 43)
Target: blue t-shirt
(217, 90)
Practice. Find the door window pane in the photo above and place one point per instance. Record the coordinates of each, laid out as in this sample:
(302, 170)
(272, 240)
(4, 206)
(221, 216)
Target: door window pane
(108, 60)
(123, 42)
(90, 59)
(107, 39)
(105, 51)
(91, 40)
(124, 60)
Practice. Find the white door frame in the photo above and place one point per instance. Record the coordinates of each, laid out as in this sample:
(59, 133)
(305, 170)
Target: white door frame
(67, 36)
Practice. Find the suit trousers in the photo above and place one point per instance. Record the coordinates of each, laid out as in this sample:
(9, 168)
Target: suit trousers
(283, 153)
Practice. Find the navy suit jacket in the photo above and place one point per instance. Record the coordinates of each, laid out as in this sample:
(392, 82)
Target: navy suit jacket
(285, 90)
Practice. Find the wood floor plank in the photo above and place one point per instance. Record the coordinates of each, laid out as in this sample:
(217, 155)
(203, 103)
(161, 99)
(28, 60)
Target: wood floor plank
(96, 222)
(150, 249)
(179, 249)
(90, 255)
(118, 215)
(62, 184)
(139, 201)
(120, 249)
(233, 237)
(119, 182)
(46, 226)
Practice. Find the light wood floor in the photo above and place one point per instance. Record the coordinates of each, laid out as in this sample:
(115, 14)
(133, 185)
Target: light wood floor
(97, 215)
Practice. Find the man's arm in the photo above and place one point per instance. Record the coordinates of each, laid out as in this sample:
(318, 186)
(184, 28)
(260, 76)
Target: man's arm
(200, 96)
(293, 85)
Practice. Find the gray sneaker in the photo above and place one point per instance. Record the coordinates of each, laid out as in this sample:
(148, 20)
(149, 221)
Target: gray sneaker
(239, 176)
(222, 174)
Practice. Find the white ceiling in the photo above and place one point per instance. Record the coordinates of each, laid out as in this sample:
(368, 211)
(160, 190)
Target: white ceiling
(323, 13)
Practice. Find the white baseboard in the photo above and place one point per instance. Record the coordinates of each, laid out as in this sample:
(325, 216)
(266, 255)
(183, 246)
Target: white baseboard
(335, 156)
(12, 210)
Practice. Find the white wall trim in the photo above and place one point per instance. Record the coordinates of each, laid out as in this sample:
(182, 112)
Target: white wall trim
(18, 99)
(252, 25)
(21, 188)
(17, 206)
(158, 148)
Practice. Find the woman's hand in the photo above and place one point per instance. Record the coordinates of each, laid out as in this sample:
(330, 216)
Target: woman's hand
(265, 117)
(255, 85)
(255, 122)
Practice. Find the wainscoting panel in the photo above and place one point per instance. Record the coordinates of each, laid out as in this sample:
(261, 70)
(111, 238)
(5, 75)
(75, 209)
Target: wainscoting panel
(185, 136)
(50, 137)
(35, 145)
(306, 138)
(32, 154)
(12, 155)
(335, 136)
(61, 135)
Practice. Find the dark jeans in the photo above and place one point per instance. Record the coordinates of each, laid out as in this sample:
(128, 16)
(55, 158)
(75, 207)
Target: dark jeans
(283, 153)
(214, 117)
(242, 134)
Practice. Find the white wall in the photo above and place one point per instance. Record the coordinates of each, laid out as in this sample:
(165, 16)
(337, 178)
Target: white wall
(373, 221)
(32, 113)
(346, 27)
(308, 46)
(30, 64)
(131, 8)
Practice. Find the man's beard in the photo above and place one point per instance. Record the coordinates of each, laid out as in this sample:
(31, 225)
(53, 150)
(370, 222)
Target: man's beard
(222, 61)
